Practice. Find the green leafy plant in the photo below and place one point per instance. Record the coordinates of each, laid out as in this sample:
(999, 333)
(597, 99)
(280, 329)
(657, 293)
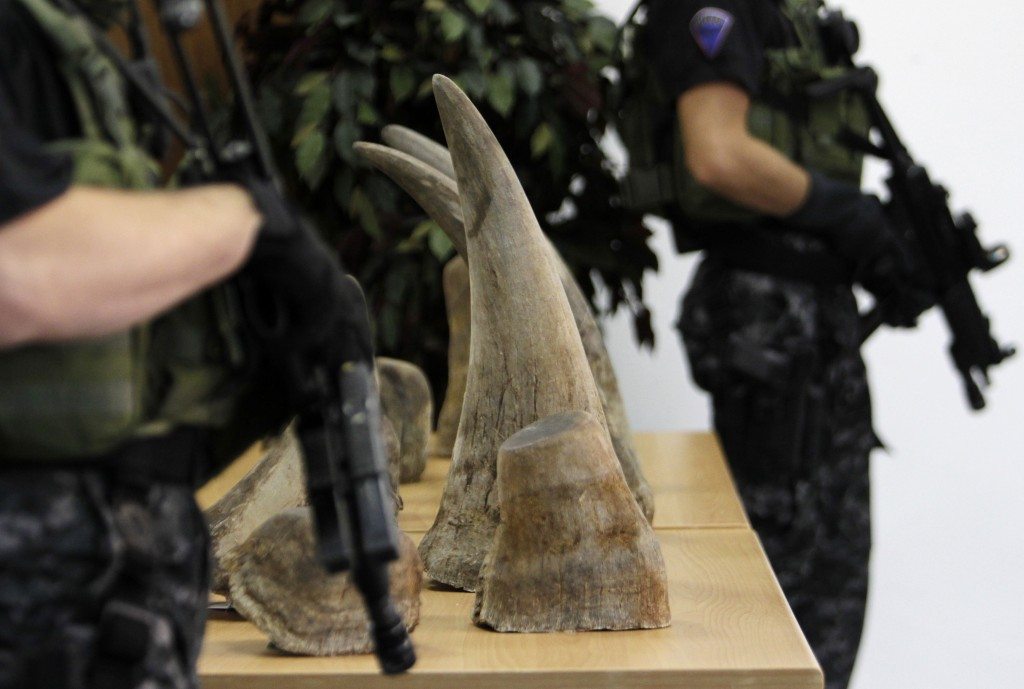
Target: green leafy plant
(332, 72)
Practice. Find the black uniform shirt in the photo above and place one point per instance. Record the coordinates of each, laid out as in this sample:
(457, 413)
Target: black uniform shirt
(35, 106)
(694, 42)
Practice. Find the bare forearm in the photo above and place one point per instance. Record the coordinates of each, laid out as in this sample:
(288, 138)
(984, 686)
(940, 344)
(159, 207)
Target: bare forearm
(95, 261)
(725, 158)
(760, 178)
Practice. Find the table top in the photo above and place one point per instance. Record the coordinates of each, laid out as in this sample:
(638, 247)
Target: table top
(692, 485)
(731, 626)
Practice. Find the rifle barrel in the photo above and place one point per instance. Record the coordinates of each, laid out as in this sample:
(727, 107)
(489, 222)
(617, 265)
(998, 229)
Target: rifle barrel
(243, 90)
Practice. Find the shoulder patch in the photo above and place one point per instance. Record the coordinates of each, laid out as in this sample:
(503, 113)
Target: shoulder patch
(710, 27)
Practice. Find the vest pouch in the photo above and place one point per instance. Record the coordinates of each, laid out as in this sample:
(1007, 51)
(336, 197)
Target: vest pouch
(647, 185)
(100, 164)
(821, 142)
(203, 372)
(196, 362)
(70, 401)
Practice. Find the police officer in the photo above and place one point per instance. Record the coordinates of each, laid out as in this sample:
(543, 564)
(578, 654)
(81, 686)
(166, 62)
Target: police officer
(760, 179)
(122, 374)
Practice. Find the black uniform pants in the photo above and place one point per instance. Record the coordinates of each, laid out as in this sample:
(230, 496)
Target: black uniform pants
(791, 407)
(103, 583)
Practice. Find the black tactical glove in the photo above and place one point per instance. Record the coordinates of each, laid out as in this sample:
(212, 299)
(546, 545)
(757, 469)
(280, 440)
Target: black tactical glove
(856, 226)
(324, 309)
(898, 298)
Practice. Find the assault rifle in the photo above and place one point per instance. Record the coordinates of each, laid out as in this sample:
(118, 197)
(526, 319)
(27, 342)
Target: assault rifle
(946, 246)
(338, 408)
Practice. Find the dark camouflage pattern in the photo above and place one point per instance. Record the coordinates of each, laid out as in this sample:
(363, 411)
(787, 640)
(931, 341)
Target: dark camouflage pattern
(77, 547)
(806, 490)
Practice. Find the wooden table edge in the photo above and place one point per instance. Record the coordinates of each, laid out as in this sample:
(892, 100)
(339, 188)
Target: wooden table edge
(776, 678)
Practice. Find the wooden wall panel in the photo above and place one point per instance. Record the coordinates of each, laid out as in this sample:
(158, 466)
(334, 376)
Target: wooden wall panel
(198, 42)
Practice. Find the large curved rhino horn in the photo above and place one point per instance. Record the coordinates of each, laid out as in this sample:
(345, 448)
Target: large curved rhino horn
(407, 166)
(526, 359)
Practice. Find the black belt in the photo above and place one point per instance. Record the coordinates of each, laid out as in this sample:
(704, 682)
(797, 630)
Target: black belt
(179, 457)
(759, 254)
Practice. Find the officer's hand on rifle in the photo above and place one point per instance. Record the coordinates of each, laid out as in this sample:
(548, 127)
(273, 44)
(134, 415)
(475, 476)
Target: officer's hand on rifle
(324, 310)
(890, 279)
(856, 225)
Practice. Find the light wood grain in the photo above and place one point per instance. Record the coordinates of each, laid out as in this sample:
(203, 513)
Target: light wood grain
(687, 472)
(692, 484)
(731, 628)
(420, 500)
(220, 484)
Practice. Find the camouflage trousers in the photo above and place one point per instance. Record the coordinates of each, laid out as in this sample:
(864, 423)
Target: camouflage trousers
(102, 585)
(792, 409)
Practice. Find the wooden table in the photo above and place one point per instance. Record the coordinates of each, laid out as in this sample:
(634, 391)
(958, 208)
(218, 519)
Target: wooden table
(731, 625)
(691, 483)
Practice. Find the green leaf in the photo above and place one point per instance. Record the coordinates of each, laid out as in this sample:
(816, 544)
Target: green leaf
(577, 9)
(269, 108)
(530, 76)
(366, 54)
(476, 39)
(414, 242)
(557, 157)
(541, 141)
(501, 92)
(314, 11)
(302, 134)
(360, 208)
(403, 82)
(309, 81)
(389, 321)
(383, 194)
(343, 20)
(343, 183)
(368, 114)
(343, 93)
(352, 87)
(315, 106)
(439, 243)
(479, 7)
(435, 5)
(504, 13)
(473, 82)
(421, 231)
(453, 25)
(603, 33)
(392, 53)
(310, 159)
(346, 133)
(426, 89)
(396, 285)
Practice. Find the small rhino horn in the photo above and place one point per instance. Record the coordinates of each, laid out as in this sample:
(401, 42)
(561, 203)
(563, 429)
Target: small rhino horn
(420, 147)
(436, 193)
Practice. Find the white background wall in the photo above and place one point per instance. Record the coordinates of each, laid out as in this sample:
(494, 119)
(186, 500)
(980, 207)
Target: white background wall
(947, 592)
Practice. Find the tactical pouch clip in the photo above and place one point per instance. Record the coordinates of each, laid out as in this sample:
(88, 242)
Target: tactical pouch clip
(776, 420)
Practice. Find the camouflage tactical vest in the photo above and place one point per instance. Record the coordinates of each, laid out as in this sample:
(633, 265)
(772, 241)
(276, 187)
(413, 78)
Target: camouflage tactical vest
(807, 132)
(76, 400)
